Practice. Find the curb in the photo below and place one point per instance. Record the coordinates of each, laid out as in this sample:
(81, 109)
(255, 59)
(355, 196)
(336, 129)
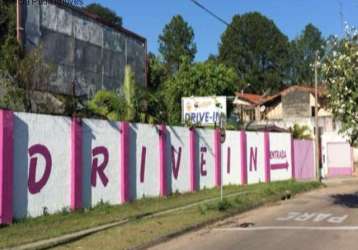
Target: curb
(45, 244)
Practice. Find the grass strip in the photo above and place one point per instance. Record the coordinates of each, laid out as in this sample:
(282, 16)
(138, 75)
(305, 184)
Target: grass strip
(45, 227)
(145, 232)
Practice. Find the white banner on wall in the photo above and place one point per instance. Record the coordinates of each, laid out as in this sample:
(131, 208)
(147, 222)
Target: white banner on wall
(203, 110)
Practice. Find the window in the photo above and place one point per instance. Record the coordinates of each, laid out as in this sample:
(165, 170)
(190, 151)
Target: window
(313, 111)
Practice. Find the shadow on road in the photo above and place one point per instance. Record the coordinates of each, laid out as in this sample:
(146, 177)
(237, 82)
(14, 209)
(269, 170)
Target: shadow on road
(346, 200)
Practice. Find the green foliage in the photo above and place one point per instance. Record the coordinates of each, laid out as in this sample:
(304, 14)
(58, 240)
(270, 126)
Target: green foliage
(9, 49)
(33, 72)
(107, 104)
(302, 54)
(200, 79)
(340, 70)
(105, 13)
(129, 92)
(224, 205)
(133, 104)
(257, 50)
(7, 19)
(177, 40)
(301, 132)
(11, 97)
(157, 73)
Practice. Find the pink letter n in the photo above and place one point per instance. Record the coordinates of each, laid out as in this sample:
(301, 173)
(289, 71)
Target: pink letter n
(6, 165)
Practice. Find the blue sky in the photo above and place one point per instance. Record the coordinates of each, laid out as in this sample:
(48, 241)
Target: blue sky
(148, 17)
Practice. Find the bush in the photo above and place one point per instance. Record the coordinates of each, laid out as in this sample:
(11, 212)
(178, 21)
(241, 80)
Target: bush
(107, 104)
(224, 205)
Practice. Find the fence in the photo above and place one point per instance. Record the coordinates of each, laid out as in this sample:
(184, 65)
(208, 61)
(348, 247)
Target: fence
(48, 163)
(304, 159)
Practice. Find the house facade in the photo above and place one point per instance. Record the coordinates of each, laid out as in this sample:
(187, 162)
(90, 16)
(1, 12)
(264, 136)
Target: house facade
(296, 105)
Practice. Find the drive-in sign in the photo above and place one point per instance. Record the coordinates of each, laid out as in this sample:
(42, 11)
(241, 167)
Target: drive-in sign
(203, 110)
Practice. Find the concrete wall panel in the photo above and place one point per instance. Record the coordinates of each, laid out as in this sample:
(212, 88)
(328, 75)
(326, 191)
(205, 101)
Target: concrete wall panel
(144, 161)
(101, 162)
(255, 157)
(280, 156)
(41, 145)
(231, 158)
(177, 151)
(205, 158)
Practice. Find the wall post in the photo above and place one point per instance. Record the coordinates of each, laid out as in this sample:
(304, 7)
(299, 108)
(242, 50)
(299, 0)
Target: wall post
(6, 165)
(217, 153)
(293, 158)
(76, 163)
(267, 166)
(162, 160)
(243, 147)
(192, 159)
(124, 163)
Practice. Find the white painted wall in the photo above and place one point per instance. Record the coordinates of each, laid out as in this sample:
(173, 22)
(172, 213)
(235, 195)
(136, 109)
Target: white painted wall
(231, 175)
(326, 138)
(255, 140)
(54, 133)
(99, 133)
(178, 137)
(143, 135)
(205, 139)
(281, 142)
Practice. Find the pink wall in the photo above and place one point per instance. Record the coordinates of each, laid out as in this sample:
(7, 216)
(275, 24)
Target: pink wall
(6, 166)
(139, 154)
(303, 159)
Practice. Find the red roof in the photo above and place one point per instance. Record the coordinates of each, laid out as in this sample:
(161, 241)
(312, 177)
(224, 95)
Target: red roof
(322, 91)
(252, 98)
(259, 99)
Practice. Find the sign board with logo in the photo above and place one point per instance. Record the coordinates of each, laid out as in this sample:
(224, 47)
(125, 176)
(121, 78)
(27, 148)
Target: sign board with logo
(203, 110)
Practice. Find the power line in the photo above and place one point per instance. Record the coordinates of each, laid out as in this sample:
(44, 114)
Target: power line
(210, 12)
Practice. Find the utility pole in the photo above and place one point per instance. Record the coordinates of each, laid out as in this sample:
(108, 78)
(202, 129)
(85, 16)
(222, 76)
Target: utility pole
(19, 28)
(317, 134)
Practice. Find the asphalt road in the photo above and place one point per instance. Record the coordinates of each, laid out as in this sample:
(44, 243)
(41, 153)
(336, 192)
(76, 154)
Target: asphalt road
(324, 219)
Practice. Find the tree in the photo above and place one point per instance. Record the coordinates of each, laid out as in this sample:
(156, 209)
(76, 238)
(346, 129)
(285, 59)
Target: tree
(11, 96)
(302, 54)
(132, 104)
(7, 19)
(200, 79)
(129, 92)
(156, 72)
(107, 104)
(9, 48)
(340, 71)
(177, 40)
(257, 50)
(301, 132)
(32, 73)
(105, 13)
